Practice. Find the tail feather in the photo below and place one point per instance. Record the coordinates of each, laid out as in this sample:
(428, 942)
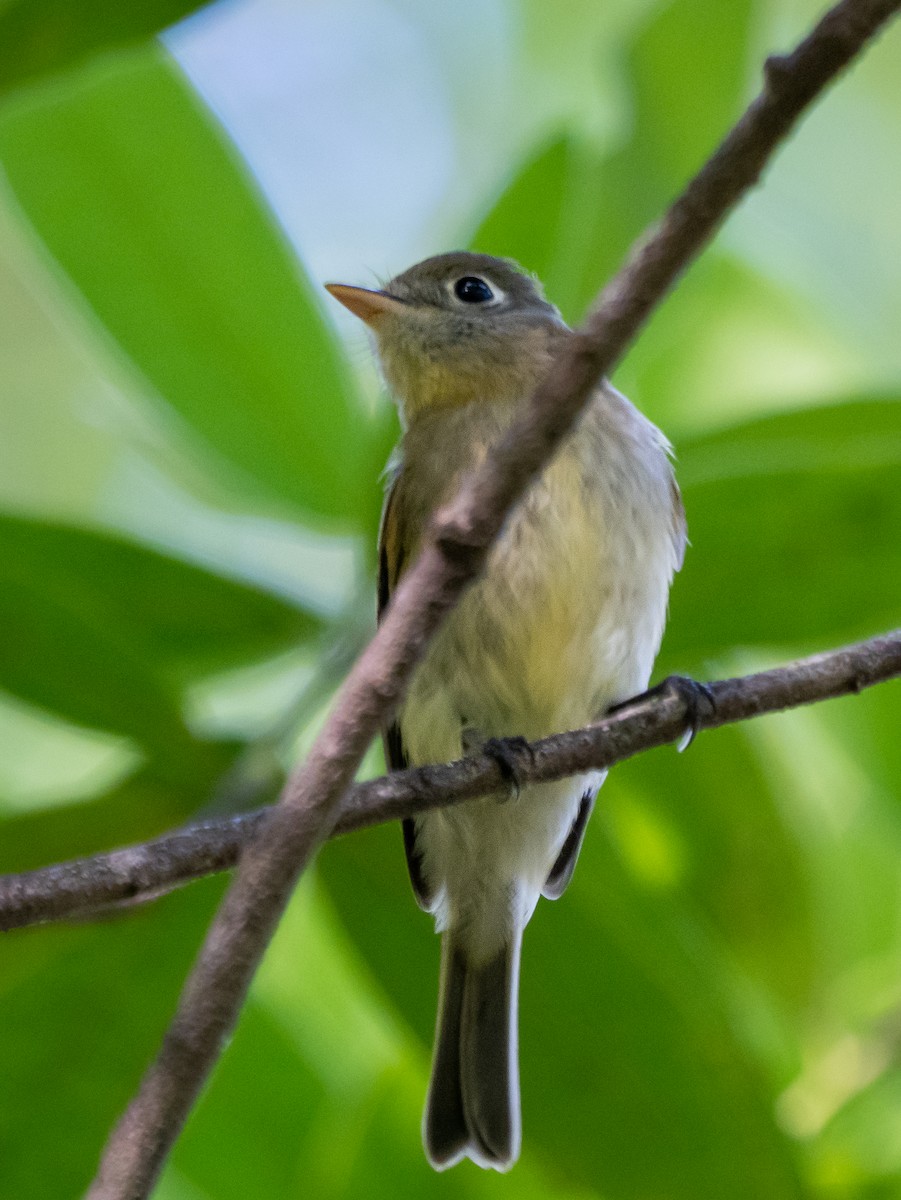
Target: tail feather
(444, 1127)
(473, 1103)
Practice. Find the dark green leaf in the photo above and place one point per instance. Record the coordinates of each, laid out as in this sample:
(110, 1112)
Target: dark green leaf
(390, 1149)
(62, 655)
(41, 36)
(794, 524)
(149, 803)
(144, 204)
(187, 620)
(104, 631)
(706, 827)
(249, 1135)
(378, 913)
(83, 1010)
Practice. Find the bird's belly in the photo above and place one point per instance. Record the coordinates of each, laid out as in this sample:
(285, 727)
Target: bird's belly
(565, 621)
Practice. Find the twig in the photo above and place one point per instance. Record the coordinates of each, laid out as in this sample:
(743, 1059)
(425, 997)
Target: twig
(91, 884)
(311, 801)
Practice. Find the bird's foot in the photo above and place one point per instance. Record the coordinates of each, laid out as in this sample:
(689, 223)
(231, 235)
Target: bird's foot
(509, 753)
(697, 699)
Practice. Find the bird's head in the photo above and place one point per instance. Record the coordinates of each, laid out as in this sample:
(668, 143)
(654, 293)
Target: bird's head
(457, 328)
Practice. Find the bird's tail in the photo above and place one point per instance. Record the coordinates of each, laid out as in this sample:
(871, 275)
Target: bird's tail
(473, 1102)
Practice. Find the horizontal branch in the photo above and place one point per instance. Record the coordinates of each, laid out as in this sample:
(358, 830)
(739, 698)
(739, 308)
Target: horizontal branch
(89, 884)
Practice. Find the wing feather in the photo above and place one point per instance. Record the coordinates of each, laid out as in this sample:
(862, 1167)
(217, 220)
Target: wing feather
(562, 870)
(391, 567)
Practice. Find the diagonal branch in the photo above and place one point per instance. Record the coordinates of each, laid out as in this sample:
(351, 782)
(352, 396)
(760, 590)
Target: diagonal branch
(141, 872)
(462, 533)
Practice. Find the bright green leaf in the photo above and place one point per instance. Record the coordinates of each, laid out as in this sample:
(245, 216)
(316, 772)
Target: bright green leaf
(689, 72)
(144, 204)
(248, 1135)
(573, 211)
(861, 1143)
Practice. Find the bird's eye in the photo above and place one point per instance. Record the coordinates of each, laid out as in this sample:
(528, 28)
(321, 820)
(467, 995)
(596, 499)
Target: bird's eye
(473, 290)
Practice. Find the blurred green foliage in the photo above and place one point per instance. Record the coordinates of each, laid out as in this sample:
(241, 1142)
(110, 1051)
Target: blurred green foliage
(36, 39)
(712, 1011)
(137, 195)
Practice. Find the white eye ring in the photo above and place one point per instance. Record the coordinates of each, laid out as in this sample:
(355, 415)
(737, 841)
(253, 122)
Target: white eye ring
(497, 295)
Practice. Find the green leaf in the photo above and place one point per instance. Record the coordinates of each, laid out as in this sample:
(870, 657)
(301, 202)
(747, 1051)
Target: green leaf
(249, 1133)
(869, 723)
(397, 942)
(688, 69)
(548, 217)
(190, 620)
(321, 1087)
(573, 211)
(143, 203)
(794, 522)
(41, 36)
(728, 853)
(84, 1010)
(860, 1143)
(105, 632)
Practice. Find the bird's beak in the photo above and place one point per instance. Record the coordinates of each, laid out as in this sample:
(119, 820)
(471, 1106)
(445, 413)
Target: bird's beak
(368, 305)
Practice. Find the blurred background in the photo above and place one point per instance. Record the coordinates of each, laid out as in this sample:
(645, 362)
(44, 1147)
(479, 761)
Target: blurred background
(191, 439)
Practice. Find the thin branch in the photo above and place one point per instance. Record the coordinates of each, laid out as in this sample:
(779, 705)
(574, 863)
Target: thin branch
(462, 533)
(142, 872)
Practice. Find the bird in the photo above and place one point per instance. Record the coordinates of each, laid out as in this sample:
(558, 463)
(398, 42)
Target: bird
(563, 624)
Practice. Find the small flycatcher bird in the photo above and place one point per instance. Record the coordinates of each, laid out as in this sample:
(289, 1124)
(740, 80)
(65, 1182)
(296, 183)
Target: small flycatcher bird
(565, 622)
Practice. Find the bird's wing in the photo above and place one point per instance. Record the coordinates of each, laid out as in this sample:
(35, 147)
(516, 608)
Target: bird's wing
(679, 527)
(562, 870)
(392, 560)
